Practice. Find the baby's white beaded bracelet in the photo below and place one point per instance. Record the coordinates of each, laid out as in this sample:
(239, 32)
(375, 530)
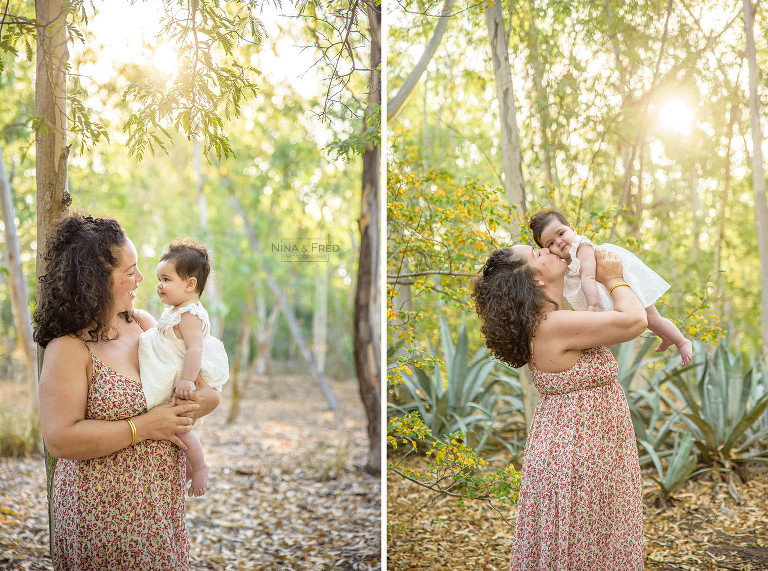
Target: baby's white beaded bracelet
(614, 286)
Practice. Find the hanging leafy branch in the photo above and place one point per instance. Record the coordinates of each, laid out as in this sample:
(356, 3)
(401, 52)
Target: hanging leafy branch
(209, 85)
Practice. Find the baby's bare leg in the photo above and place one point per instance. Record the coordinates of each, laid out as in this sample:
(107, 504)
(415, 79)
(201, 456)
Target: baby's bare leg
(669, 333)
(197, 469)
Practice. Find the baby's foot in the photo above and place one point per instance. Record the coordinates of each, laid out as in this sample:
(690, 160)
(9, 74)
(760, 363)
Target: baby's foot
(663, 346)
(686, 351)
(199, 481)
(189, 471)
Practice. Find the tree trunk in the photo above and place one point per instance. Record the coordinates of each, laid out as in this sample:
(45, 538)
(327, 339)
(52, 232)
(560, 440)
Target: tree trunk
(261, 363)
(549, 168)
(396, 104)
(696, 216)
(51, 152)
(758, 175)
(720, 285)
(320, 318)
(19, 291)
(217, 324)
(511, 152)
(241, 360)
(629, 164)
(367, 321)
(293, 324)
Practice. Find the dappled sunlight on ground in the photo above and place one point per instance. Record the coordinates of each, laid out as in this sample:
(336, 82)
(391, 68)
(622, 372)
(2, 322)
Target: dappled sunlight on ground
(286, 489)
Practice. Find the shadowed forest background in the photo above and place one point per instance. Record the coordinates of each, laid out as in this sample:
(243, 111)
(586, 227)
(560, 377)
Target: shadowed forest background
(643, 123)
(246, 126)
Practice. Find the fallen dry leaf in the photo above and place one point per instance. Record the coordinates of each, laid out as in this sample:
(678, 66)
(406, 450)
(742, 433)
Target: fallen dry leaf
(286, 489)
(703, 529)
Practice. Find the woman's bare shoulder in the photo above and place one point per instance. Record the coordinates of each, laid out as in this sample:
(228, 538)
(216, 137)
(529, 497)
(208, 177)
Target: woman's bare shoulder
(67, 347)
(144, 319)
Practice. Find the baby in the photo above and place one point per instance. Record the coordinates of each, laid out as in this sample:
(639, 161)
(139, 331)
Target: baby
(172, 354)
(552, 231)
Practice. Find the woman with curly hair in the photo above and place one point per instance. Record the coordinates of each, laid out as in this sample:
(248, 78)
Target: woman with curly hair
(118, 488)
(580, 499)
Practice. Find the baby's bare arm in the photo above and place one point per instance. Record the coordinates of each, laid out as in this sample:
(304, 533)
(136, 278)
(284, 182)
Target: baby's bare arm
(588, 265)
(191, 328)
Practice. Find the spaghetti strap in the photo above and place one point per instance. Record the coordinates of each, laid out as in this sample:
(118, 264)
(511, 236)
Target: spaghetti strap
(89, 350)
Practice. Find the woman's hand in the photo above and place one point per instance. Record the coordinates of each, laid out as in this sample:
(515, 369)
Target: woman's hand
(204, 396)
(609, 268)
(165, 422)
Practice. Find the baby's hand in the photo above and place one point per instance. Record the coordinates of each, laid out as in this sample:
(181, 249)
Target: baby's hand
(591, 308)
(184, 389)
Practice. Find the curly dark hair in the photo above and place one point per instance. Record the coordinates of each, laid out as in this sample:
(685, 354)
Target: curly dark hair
(75, 293)
(509, 303)
(191, 260)
(541, 220)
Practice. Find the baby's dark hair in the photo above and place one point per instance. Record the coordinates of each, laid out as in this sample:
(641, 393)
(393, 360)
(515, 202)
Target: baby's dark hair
(541, 220)
(190, 258)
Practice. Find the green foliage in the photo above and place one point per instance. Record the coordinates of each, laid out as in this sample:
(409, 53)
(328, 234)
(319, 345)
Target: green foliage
(716, 402)
(288, 186)
(204, 92)
(463, 395)
(19, 435)
(632, 360)
(358, 143)
(708, 417)
(454, 469)
(680, 468)
(592, 81)
(438, 234)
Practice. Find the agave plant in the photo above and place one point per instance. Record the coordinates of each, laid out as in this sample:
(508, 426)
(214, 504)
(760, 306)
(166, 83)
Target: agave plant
(722, 403)
(680, 467)
(468, 394)
(632, 359)
(658, 429)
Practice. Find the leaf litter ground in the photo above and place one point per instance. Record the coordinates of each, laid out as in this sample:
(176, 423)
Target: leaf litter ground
(286, 489)
(704, 528)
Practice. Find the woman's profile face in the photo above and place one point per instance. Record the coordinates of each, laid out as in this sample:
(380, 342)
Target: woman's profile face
(125, 278)
(546, 266)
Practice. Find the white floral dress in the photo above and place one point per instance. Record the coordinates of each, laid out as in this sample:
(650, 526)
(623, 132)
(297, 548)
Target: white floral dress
(161, 355)
(647, 284)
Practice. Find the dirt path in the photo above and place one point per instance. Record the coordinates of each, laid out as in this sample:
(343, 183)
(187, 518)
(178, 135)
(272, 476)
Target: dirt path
(703, 530)
(286, 489)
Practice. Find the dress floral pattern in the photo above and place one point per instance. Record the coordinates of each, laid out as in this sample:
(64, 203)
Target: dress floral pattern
(580, 503)
(124, 510)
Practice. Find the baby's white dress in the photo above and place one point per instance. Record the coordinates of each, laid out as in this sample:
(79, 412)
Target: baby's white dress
(161, 355)
(647, 284)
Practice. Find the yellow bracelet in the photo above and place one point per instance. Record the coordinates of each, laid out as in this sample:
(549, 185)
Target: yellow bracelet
(614, 286)
(133, 431)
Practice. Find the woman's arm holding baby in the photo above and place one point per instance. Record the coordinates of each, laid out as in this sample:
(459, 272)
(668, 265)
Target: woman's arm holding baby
(588, 267)
(204, 396)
